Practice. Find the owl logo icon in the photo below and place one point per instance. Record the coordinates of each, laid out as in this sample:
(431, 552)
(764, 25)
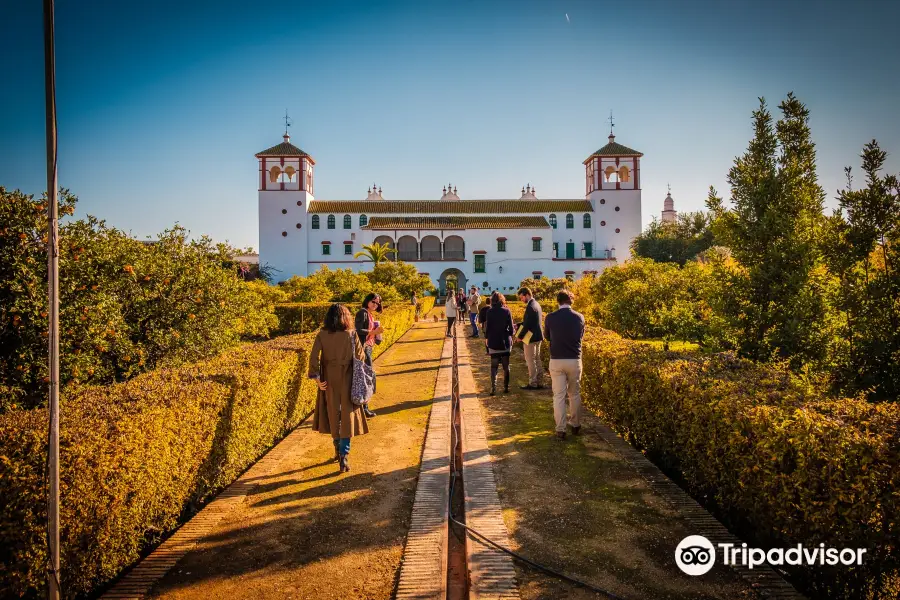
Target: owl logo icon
(695, 555)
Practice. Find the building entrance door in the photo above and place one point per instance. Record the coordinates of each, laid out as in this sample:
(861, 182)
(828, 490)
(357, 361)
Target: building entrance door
(570, 250)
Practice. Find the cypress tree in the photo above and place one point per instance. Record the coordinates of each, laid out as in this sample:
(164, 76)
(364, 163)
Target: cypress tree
(775, 303)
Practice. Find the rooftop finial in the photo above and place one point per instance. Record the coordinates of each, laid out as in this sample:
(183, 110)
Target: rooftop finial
(611, 125)
(669, 186)
(287, 123)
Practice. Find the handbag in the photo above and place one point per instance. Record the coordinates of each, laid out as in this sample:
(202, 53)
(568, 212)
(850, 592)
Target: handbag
(362, 385)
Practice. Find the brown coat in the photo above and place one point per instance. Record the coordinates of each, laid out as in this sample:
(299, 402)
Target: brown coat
(332, 360)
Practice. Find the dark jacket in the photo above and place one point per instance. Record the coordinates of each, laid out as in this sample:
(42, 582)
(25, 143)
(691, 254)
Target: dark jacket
(482, 313)
(498, 328)
(564, 329)
(362, 325)
(532, 321)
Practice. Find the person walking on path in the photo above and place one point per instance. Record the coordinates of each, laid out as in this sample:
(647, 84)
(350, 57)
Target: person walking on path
(331, 365)
(450, 310)
(531, 336)
(368, 330)
(564, 330)
(473, 302)
(498, 334)
(482, 313)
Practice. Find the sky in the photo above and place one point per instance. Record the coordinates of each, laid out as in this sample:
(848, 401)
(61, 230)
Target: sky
(162, 105)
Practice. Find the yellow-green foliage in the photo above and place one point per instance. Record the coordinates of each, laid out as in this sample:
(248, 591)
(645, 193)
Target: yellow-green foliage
(138, 455)
(771, 453)
(300, 317)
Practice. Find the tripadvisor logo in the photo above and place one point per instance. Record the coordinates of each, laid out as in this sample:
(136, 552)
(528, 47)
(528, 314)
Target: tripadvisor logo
(695, 555)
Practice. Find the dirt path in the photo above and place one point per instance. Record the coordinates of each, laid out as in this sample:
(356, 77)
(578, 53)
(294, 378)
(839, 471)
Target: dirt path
(577, 507)
(308, 531)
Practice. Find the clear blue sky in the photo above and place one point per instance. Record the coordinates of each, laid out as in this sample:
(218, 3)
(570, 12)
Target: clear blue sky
(163, 104)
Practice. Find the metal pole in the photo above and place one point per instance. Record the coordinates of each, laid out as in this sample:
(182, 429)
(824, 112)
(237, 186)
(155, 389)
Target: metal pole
(53, 587)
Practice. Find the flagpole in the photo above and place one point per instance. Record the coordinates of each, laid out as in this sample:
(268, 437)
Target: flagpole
(53, 586)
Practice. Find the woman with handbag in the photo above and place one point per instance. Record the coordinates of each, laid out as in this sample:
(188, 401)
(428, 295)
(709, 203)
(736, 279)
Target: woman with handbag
(331, 365)
(498, 333)
(369, 333)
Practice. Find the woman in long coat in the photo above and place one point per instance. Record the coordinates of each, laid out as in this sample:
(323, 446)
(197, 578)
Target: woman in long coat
(331, 364)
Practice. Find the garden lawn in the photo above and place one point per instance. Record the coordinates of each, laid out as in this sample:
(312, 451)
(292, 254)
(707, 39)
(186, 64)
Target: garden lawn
(308, 531)
(577, 507)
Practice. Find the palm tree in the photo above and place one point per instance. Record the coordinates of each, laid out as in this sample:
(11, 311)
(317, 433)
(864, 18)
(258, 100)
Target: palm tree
(375, 252)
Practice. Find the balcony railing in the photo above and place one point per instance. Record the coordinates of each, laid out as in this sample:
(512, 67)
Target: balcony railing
(408, 255)
(454, 255)
(431, 255)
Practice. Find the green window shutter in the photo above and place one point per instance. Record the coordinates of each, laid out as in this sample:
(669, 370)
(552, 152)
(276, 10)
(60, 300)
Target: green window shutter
(479, 263)
(326, 249)
(588, 250)
(348, 248)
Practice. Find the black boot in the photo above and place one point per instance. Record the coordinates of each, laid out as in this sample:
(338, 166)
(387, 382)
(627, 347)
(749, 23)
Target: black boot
(493, 388)
(345, 463)
(368, 411)
(506, 385)
(337, 454)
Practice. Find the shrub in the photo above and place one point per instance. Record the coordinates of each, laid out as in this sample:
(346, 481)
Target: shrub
(393, 281)
(300, 317)
(771, 453)
(139, 454)
(125, 306)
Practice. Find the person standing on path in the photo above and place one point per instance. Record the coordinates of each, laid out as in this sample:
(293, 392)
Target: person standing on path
(473, 302)
(331, 365)
(498, 334)
(564, 330)
(367, 330)
(531, 324)
(450, 310)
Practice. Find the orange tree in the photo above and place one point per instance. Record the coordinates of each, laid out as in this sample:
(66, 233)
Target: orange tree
(126, 306)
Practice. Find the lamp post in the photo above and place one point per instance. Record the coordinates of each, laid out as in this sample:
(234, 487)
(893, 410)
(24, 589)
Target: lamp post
(53, 586)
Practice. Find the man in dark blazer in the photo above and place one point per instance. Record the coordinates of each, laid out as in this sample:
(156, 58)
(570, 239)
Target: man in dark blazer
(531, 324)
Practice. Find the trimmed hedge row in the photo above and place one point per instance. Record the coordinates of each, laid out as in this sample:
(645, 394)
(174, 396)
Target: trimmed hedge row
(777, 459)
(141, 456)
(138, 456)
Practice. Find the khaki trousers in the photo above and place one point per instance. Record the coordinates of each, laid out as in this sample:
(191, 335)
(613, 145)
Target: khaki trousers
(533, 360)
(565, 373)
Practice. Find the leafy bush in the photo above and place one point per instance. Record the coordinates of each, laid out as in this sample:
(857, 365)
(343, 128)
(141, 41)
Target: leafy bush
(126, 306)
(770, 452)
(393, 281)
(160, 444)
(675, 242)
(646, 299)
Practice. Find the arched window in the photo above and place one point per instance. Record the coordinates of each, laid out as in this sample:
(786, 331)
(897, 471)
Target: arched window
(612, 175)
(570, 221)
(363, 220)
(454, 248)
(587, 221)
(274, 174)
(348, 222)
(407, 248)
(431, 248)
(289, 173)
(315, 222)
(330, 221)
(623, 173)
(553, 221)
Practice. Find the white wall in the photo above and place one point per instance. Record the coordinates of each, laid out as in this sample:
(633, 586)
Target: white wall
(287, 254)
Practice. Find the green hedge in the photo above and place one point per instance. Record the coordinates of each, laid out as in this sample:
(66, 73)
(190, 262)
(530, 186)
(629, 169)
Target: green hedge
(778, 460)
(300, 317)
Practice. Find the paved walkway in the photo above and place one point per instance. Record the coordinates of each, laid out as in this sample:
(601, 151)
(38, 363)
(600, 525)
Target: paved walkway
(307, 531)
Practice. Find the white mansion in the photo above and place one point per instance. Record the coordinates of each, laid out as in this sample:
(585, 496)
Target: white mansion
(492, 244)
